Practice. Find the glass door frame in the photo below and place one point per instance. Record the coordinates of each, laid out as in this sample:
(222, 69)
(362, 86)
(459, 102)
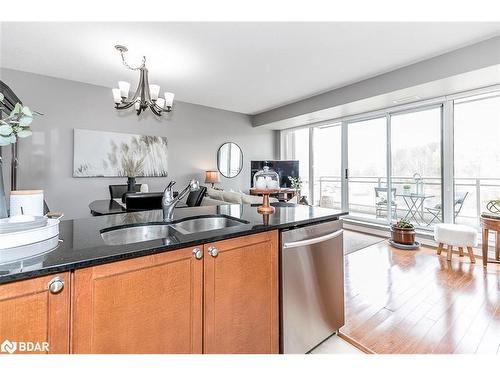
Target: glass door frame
(388, 116)
(312, 173)
(442, 133)
(345, 164)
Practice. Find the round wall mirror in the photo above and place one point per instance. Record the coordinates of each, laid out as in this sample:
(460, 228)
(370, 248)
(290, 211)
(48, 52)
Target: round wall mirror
(229, 159)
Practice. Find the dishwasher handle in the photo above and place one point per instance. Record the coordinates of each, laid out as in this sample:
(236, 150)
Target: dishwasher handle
(312, 241)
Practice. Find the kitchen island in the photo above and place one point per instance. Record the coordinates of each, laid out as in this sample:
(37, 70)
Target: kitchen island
(207, 292)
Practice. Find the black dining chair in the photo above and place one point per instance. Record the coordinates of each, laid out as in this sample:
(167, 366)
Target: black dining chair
(195, 198)
(117, 191)
(143, 201)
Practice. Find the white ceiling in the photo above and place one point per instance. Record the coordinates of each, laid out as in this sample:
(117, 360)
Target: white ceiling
(243, 67)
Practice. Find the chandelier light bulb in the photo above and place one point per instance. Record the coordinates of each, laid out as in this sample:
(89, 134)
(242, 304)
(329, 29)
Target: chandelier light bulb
(124, 88)
(137, 103)
(160, 103)
(169, 99)
(154, 91)
(117, 96)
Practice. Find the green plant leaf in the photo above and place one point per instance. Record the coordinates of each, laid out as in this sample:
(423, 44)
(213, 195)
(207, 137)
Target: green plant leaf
(25, 120)
(5, 130)
(27, 112)
(4, 141)
(24, 133)
(17, 109)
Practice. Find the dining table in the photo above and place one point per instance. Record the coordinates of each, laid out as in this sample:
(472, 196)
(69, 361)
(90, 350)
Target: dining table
(102, 207)
(415, 206)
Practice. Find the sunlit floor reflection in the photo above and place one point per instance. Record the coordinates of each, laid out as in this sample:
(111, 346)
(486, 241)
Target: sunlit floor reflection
(401, 301)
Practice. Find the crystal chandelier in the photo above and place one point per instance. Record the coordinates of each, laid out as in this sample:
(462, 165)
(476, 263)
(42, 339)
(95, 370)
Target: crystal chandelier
(145, 96)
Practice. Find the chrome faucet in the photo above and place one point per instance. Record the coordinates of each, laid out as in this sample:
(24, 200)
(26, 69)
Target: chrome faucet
(168, 201)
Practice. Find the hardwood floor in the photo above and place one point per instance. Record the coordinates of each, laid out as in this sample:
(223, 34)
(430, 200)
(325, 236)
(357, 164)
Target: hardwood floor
(400, 301)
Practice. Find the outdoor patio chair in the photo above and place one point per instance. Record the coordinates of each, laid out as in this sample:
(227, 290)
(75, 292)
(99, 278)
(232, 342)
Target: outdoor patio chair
(438, 208)
(326, 201)
(381, 202)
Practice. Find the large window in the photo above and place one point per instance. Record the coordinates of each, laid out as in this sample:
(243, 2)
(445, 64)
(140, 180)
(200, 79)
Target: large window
(416, 166)
(477, 156)
(296, 147)
(412, 190)
(367, 166)
(327, 165)
(429, 162)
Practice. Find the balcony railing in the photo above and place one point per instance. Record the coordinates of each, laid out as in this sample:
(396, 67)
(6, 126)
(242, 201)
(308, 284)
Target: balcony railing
(362, 199)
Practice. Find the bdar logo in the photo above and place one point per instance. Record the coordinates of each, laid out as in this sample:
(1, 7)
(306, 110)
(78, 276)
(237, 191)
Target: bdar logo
(8, 347)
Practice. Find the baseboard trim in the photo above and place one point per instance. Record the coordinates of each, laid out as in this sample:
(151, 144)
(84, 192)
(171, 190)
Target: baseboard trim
(355, 343)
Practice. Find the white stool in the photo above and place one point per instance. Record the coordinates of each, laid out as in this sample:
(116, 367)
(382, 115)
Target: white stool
(456, 235)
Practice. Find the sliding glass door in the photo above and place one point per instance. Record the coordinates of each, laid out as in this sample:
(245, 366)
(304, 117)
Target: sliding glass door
(416, 166)
(408, 142)
(367, 169)
(327, 165)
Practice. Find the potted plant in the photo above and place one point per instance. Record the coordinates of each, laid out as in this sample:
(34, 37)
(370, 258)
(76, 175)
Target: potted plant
(16, 125)
(133, 167)
(407, 188)
(403, 232)
(296, 183)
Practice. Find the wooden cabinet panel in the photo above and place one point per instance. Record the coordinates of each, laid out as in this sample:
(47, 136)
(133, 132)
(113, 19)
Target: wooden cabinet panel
(241, 295)
(29, 312)
(151, 304)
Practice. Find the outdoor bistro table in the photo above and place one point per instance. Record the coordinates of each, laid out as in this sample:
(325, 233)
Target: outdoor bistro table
(415, 204)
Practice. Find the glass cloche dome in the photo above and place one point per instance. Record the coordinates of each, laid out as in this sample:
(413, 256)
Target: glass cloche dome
(266, 178)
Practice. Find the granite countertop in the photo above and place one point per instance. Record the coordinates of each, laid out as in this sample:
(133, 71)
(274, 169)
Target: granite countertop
(82, 244)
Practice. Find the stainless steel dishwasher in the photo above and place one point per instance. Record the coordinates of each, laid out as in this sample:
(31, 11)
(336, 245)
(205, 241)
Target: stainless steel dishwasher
(312, 285)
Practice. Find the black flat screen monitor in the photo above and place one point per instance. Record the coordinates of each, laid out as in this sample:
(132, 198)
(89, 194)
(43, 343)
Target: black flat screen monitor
(284, 168)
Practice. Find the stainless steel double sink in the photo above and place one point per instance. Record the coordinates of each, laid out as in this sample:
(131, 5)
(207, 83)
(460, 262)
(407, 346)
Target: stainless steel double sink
(152, 231)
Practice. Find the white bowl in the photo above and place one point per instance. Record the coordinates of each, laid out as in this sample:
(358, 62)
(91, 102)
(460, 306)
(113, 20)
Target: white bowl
(21, 253)
(26, 237)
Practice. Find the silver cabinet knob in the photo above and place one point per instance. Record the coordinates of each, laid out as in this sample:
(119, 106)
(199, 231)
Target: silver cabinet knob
(56, 285)
(197, 253)
(213, 251)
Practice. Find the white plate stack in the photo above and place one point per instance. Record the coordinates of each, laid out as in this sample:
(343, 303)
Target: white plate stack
(25, 230)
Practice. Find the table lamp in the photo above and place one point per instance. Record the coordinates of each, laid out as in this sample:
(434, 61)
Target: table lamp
(212, 177)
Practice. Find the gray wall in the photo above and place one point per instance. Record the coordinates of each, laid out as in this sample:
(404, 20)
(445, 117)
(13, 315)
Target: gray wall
(466, 59)
(194, 134)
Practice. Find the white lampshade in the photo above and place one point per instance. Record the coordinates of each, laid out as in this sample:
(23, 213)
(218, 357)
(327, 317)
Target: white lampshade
(160, 102)
(137, 103)
(169, 99)
(212, 177)
(154, 91)
(124, 88)
(117, 96)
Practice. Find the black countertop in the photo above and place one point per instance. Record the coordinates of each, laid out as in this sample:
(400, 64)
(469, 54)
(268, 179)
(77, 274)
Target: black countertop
(82, 245)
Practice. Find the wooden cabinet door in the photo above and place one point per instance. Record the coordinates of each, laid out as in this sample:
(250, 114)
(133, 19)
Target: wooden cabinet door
(30, 316)
(151, 304)
(241, 295)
